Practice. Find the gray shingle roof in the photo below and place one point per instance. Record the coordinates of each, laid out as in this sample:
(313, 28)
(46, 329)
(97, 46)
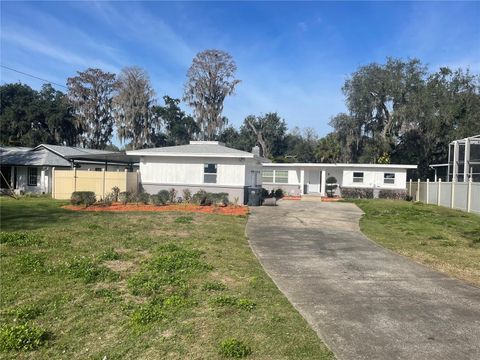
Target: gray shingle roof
(70, 151)
(200, 148)
(40, 157)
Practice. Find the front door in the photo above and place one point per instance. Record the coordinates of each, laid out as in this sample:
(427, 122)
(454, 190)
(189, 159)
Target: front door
(313, 181)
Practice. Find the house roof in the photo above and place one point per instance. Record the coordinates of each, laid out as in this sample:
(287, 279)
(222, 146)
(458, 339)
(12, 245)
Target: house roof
(60, 156)
(41, 157)
(197, 149)
(344, 165)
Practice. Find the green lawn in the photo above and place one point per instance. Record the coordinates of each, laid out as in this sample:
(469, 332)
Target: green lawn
(139, 285)
(443, 239)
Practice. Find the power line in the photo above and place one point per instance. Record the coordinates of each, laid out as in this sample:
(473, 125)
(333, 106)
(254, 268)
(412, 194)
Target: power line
(33, 76)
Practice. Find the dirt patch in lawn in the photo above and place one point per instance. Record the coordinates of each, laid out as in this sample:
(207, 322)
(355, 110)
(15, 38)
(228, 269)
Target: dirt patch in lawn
(222, 210)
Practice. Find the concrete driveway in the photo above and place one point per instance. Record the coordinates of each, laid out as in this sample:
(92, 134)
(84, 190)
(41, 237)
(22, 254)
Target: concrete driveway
(364, 301)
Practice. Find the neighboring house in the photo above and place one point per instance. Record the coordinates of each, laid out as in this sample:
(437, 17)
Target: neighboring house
(29, 170)
(310, 178)
(200, 165)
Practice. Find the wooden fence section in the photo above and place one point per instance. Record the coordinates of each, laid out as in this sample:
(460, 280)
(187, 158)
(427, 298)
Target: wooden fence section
(456, 195)
(65, 182)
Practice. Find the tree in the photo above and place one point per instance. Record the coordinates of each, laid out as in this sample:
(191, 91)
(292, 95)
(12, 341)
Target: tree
(133, 108)
(179, 127)
(328, 149)
(268, 131)
(91, 93)
(29, 117)
(211, 78)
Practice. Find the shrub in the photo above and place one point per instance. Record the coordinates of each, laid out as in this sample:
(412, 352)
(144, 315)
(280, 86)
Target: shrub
(124, 197)
(19, 238)
(278, 193)
(187, 195)
(164, 196)
(357, 193)
(330, 186)
(115, 192)
(392, 194)
(199, 196)
(142, 197)
(234, 348)
(172, 195)
(21, 337)
(155, 200)
(86, 198)
(265, 194)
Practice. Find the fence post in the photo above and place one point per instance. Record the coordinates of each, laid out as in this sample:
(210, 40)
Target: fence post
(439, 191)
(428, 183)
(74, 179)
(53, 182)
(126, 179)
(418, 191)
(138, 181)
(410, 188)
(103, 183)
(469, 194)
(452, 197)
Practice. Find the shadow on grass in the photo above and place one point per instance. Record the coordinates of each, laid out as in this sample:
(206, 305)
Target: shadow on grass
(33, 213)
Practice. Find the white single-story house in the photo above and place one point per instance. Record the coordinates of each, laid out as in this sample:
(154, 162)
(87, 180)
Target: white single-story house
(29, 170)
(200, 165)
(310, 178)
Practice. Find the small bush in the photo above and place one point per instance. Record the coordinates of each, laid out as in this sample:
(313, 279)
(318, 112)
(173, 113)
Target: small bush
(124, 197)
(279, 193)
(86, 198)
(163, 196)
(213, 286)
(198, 196)
(357, 193)
(392, 194)
(234, 348)
(265, 193)
(187, 195)
(115, 192)
(19, 238)
(109, 254)
(87, 270)
(21, 337)
(172, 195)
(155, 200)
(142, 198)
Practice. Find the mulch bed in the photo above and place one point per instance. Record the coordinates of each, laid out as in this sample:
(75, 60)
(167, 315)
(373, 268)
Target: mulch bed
(292, 198)
(223, 210)
(331, 199)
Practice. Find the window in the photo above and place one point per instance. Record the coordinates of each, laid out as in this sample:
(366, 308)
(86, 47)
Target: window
(358, 177)
(32, 176)
(275, 176)
(210, 173)
(389, 178)
(267, 176)
(281, 176)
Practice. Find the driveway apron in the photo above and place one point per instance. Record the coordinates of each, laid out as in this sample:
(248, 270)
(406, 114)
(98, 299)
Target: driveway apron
(364, 301)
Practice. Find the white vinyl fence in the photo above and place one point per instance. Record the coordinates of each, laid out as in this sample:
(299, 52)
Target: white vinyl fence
(455, 195)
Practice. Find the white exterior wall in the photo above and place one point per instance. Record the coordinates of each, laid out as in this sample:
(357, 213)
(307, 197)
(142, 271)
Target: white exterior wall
(373, 177)
(189, 171)
(43, 180)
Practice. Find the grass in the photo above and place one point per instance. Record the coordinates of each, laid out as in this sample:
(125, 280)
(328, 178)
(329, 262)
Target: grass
(443, 239)
(96, 285)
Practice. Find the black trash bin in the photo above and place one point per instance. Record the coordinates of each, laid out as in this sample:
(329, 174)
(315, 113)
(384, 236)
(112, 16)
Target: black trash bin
(254, 196)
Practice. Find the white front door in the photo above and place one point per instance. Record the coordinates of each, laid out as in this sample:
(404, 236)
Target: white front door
(313, 181)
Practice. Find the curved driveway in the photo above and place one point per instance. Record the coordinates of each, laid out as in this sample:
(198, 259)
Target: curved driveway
(364, 301)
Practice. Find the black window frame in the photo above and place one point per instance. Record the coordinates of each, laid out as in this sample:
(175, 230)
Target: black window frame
(30, 176)
(210, 171)
(391, 180)
(356, 178)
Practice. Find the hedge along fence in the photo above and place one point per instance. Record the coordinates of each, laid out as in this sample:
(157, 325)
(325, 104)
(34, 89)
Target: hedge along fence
(66, 182)
(455, 195)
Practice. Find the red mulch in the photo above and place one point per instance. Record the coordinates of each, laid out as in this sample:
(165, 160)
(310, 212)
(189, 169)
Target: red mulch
(223, 210)
(292, 198)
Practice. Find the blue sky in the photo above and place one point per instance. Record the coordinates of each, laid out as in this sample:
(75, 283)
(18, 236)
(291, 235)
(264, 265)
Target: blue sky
(292, 58)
